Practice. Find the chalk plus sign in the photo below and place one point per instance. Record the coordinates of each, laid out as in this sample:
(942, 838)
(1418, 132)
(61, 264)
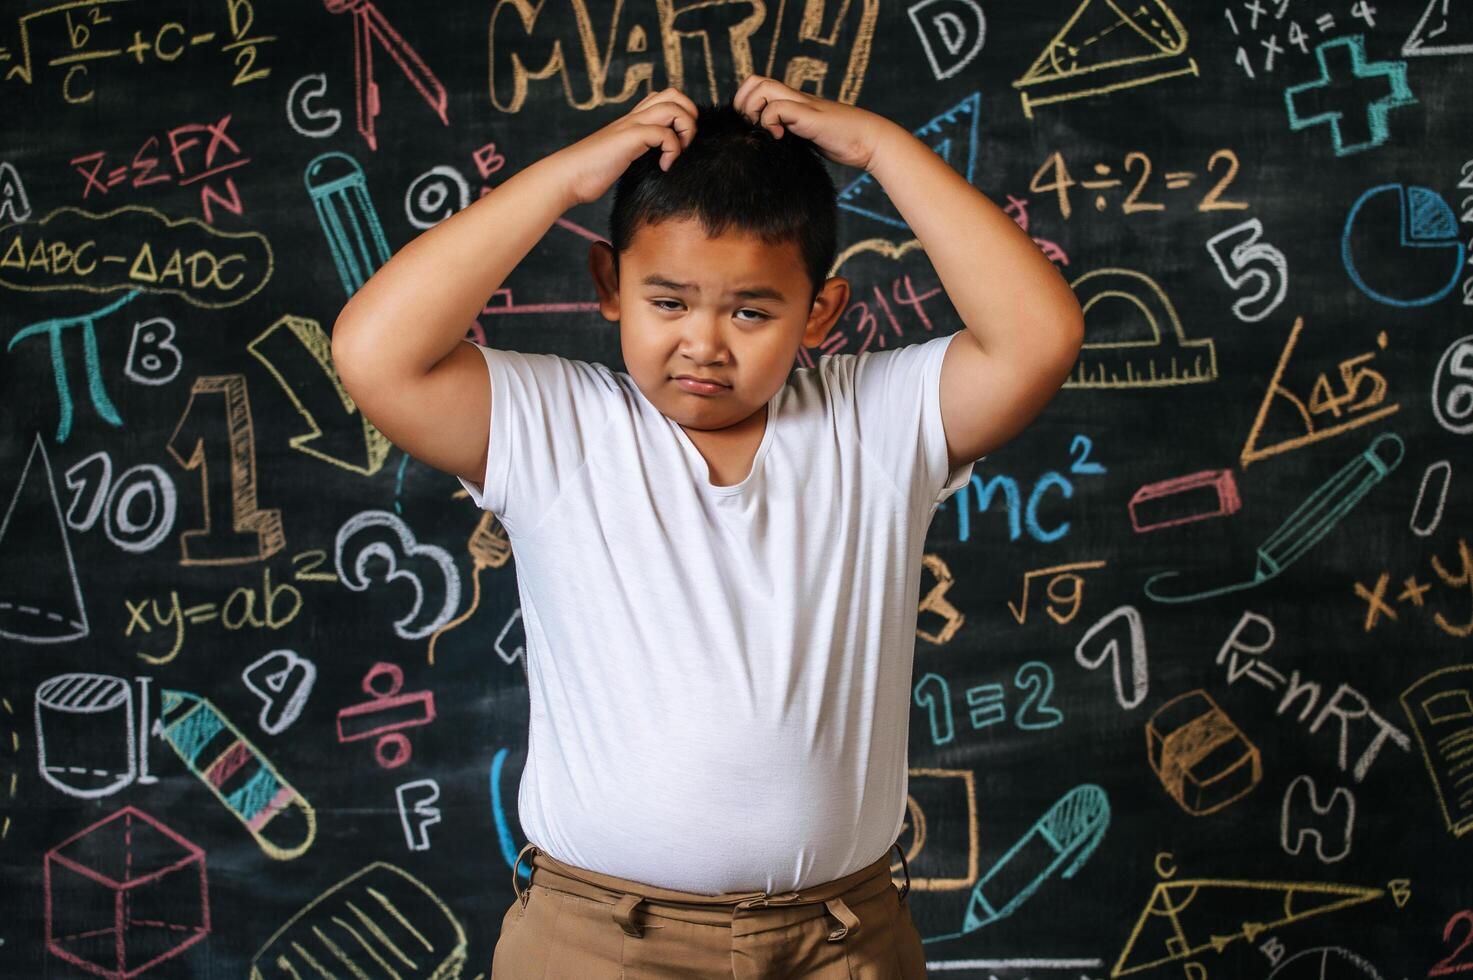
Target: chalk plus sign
(1357, 116)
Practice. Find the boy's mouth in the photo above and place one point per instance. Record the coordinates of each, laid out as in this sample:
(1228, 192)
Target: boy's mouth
(698, 386)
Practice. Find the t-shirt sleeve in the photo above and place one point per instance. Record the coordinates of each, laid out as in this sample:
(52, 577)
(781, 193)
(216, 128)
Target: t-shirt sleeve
(897, 407)
(546, 412)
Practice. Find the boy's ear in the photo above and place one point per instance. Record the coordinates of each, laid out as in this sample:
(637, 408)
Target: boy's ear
(605, 279)
(828, 305)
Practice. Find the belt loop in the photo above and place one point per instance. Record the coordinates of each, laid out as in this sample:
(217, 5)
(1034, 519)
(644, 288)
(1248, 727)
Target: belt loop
(516, 884)
(906, 868)
(623, 912)
(845, 915)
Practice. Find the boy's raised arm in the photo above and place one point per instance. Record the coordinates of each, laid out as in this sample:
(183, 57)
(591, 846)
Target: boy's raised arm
(1024, 326)
(397, 343)
(416, 308)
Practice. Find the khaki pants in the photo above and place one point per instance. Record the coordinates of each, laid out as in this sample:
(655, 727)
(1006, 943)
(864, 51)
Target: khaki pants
(573, 924)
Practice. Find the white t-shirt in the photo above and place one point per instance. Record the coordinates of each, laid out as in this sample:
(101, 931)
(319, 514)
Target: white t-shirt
(719, 675)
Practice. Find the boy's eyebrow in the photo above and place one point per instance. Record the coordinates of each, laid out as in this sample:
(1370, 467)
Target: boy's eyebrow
(759, 292)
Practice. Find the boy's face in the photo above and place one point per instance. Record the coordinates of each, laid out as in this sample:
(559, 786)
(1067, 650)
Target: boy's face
(678, 302)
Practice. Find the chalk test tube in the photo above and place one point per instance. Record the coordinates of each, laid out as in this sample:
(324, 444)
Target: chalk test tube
(237, 773)
(339, 194)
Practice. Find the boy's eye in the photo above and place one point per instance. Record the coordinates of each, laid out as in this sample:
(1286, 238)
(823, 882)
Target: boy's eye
(657, 302)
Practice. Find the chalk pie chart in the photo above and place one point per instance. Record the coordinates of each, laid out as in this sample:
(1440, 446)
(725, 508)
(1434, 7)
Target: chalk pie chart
(1325, 963)
(1401, 245)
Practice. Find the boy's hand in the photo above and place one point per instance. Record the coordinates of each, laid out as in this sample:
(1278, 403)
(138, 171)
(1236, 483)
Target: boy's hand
(843, 133)
(665, 119)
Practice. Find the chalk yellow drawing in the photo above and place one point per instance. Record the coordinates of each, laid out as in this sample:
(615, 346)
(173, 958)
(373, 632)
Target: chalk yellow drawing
(950, 794)
(135, 248)
(1154, 350)
(1440, 708)
(76, 37)
(1106, 46)
(490, 548)
(9, 778)
(1364, 389)
(1202, 758)
(615, 52)
(1060, 590)
(936, 603)
(380, 921)
(216, 426)
(297, 350)
(1189, 916)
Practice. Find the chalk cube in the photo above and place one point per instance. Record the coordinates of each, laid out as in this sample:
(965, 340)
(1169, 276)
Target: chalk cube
(124, 894)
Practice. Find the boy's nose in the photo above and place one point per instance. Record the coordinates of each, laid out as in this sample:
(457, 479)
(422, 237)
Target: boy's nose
(703, 339)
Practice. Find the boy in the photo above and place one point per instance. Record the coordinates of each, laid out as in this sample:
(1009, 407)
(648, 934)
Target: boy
(718, 558)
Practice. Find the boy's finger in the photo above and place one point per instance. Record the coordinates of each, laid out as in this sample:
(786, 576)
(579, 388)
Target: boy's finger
(659, 137)
(747, 85)
(780, 114)
(765, 89)
(689, 104)
(757, 102)
(680, 119)
(684, 126)
(671, 91)
(667, 159)
(754, 88)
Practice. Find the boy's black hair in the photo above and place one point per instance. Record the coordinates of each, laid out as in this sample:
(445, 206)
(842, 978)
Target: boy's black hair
(735, 173)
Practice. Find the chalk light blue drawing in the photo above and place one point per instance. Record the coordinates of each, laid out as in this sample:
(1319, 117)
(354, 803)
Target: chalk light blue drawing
(988, 705)
(1051, 479)
(1426, 222)
(1064, 837)
(1395, 74)
(1312, 520)
(934, 694)
(339, 194)
(504, 839)
(91, 366)
(952, 134)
